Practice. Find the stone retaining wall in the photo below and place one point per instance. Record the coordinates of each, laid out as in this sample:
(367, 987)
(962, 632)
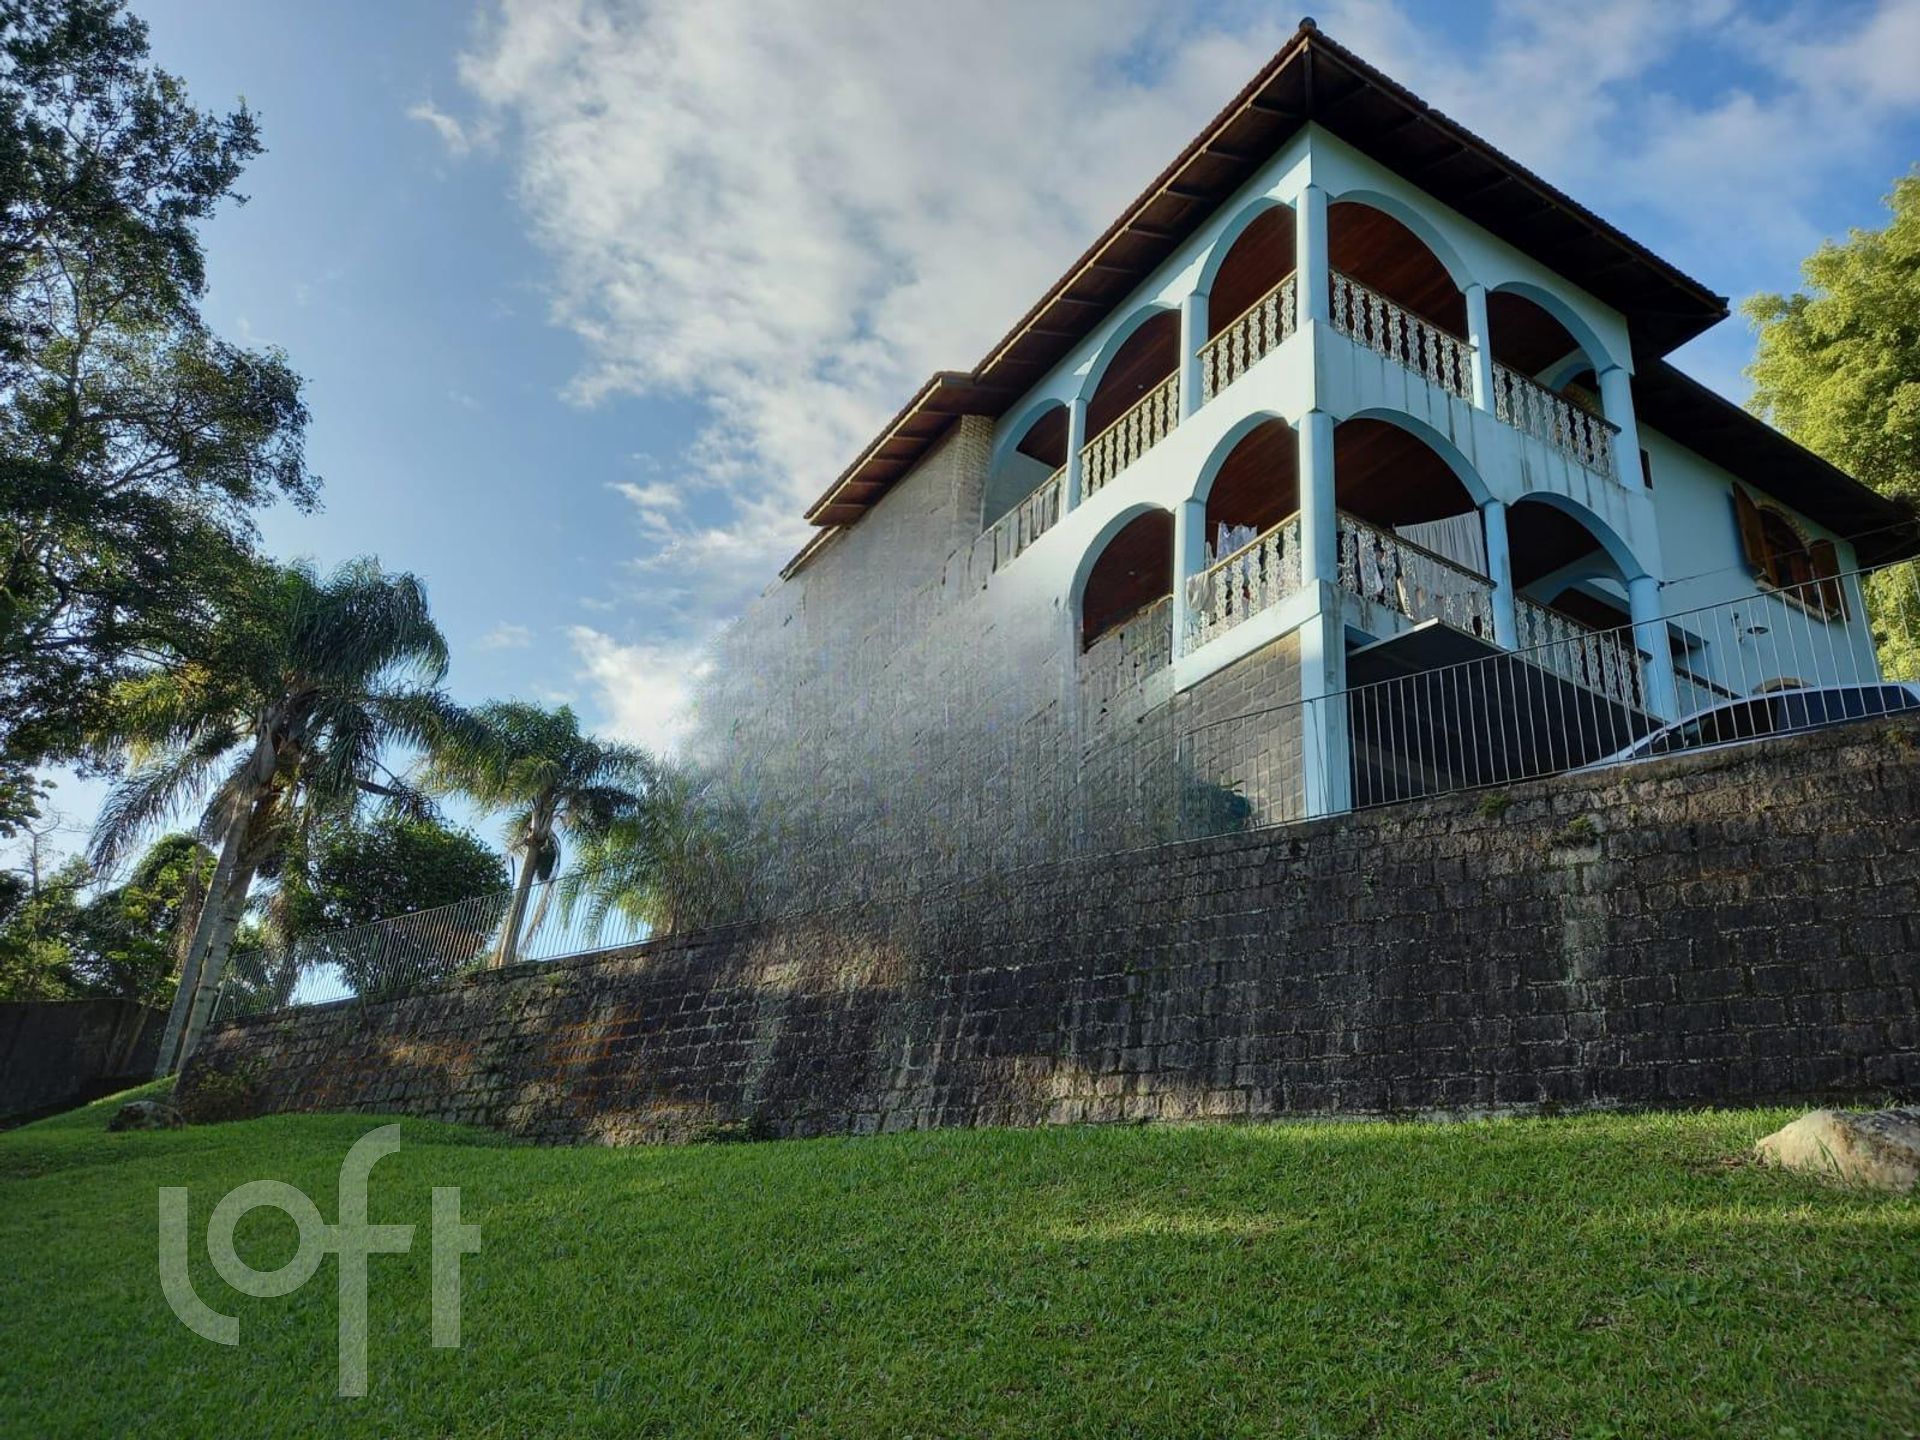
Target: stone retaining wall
(1735, 926)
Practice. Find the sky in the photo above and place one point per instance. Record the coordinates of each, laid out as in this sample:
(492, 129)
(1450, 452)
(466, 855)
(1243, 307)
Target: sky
(593, 298)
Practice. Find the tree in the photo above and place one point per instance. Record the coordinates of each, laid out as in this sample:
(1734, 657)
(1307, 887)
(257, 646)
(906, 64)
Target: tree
(281, 725)
(383, 902)
(396, 865)
(1837, 367)
(551, 781)
(676, 862)
(134, 444)
(130, 939)
(39, 915)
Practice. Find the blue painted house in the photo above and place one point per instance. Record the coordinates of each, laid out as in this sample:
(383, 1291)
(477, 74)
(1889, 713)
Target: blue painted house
(1345, 397)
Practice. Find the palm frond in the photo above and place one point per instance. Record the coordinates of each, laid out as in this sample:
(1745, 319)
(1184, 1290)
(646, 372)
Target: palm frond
(156, 792)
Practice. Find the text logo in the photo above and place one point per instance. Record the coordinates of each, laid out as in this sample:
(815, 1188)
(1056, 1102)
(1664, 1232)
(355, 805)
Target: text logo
(351, 1237)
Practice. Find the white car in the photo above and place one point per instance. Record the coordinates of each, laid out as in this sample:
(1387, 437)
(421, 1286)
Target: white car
(1778, 712)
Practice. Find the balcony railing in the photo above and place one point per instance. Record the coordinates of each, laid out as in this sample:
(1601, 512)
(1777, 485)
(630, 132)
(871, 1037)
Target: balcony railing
(1601, 660)
(1370, 319)
(1014, 531)
(1380, 566)
(1259, 574)
(1141, 428)
(1529, 406)
(1255, 333)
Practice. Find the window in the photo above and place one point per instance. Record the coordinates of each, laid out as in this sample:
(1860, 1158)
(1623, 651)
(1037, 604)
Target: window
(1804, 572)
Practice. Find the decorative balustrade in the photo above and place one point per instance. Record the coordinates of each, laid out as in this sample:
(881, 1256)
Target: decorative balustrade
(1530, 407)
(1255, 333)
(1014, 531)
(1606, 661)
(1259, 574)
(1370, 319)
(1143, 426)
(1380, 566)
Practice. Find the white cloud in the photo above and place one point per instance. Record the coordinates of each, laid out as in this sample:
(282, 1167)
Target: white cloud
(643, 690)
(459, 139)
(791, 213)
(658, 506)
(507, 636)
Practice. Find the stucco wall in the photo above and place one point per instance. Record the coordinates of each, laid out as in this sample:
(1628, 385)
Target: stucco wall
(1725, 927)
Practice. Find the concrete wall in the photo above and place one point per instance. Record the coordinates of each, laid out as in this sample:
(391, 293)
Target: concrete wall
(1733, 926)
(58, 1052)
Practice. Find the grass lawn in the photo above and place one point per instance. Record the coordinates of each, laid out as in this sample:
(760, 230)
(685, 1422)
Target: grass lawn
(1594, 1276)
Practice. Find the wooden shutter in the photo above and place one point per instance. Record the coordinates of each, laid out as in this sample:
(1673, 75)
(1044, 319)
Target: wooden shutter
(1753, 536)
(1826, 574)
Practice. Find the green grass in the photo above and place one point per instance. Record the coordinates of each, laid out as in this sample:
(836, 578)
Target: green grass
(1595, 1276)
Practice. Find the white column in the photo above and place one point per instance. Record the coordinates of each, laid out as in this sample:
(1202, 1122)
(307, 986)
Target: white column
(1326, 746)
(1650, 635)
(1193, 334)
(1327, 756)
(1616, 403)
(1506, 622)
(1076, 442)
(1319, 519)
(1310, 254)
(1481, 338)
(1189, 559)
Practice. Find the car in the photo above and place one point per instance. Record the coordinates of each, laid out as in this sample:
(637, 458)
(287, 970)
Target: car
(1778, 712)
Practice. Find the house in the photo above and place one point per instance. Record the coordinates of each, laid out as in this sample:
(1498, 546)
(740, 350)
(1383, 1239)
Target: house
(1346, 465)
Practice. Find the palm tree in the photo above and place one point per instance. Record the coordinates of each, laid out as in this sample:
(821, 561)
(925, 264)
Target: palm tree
(535, 765)
(279, 724)
(675, 863)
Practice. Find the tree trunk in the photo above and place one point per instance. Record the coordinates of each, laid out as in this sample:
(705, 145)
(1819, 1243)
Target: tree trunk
(213, 967)
(224, 873)
(539, 915)
(516, 910)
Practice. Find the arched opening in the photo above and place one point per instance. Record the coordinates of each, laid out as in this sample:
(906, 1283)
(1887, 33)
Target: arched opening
(1529, 340)
(1256, 487)
(1147, 357)
(1559, 562)
(1260, 257)
(1383, 254)
(1026, 465)
(1395, 484)
(1132, 573)
(1544, 380)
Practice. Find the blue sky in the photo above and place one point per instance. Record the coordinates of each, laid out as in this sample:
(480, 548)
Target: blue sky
(593, 297)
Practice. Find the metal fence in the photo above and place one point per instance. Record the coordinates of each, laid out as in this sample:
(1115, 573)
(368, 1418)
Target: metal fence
(1779, 660)
(1743, 670)
(414, 952)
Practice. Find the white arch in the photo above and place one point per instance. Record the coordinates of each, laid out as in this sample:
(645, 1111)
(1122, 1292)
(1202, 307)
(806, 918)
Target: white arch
(1122, 333)
(1478, 491)
(1609, 539)
(1012, 435)
(1230, 234)
(1115, 523)
(1584, 335)
(1223, 450)
(1409, 216)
